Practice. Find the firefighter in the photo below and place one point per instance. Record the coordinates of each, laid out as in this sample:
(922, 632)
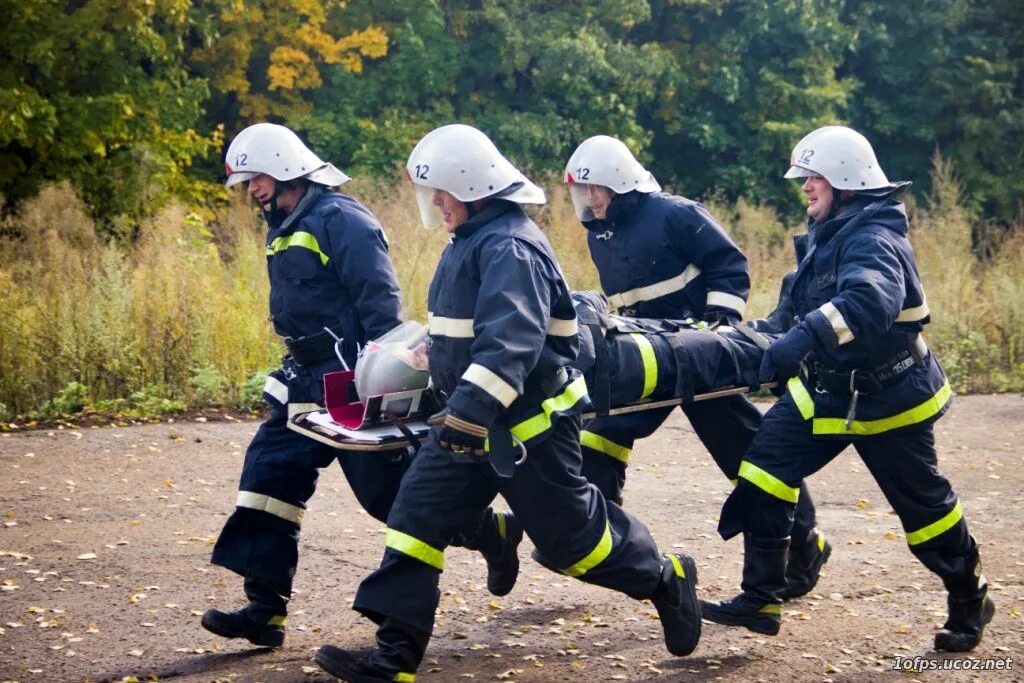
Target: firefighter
(502, 334)
(859, 373)
(663, 256)
(332, 288)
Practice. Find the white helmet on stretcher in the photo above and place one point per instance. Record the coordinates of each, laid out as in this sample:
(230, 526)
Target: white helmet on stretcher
(279, 153)
(394, 363)
(840, 155)
(462, 161)
(605, 161)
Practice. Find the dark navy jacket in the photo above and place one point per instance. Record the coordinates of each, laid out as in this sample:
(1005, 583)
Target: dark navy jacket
(502, 325)
(858, 290)
(328, 264)
(663, 256)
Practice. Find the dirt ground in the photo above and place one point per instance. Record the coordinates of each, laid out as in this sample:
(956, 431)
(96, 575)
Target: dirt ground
(107, 535)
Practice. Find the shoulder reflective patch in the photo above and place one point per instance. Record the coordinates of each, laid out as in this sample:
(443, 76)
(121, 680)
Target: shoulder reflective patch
(595, 557)
(934, 529)
(297, 239)
(650, 362)
(596, 442)
(540, 423)
(837, 321)
(415, 548)
(655, 291)
(272, 506)
(768, 483)
(492, 383)
(276, 388)
(726, 300)
(919, 413)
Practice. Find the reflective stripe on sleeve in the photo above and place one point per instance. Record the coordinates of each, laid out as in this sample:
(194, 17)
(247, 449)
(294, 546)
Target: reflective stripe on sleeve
(909, 315)
(768, 483)
(502, 391)
(658, 289)
(650, 362)
(276, 388)
(538, 424)
(563, 328)
(837, 321)
(595, 557)
(598, 443)
(919, 413)
(415, 548)
(296, 408)
(460, 328)
(934, 529)
(297, 239)
(272, 506)
(726, 300)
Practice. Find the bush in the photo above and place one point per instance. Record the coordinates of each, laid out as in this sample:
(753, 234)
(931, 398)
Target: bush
(73, 398)
(150, 402)
(209, 387)
(250, 396)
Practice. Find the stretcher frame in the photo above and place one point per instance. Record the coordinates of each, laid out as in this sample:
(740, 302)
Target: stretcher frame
(301, 423)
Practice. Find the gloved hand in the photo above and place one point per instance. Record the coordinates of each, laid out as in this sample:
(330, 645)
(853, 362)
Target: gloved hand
(459, 435)
(721, 316)
(782, 359)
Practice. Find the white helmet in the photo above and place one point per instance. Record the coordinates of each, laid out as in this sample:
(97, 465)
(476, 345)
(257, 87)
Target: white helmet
(392, 363)
(605, 161)
(840, 155)
(462, 161)
(278, 152)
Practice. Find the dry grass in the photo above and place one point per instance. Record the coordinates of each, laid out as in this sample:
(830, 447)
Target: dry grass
(181, 315)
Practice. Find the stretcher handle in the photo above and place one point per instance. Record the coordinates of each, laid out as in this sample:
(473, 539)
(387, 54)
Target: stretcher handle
(651, 405)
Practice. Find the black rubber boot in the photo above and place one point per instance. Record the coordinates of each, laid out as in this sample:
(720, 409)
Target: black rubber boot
(805, 563)
(970, 609)
(261, 622)
(676, 602)
(759, 606)
(400, 649)
(497, 538)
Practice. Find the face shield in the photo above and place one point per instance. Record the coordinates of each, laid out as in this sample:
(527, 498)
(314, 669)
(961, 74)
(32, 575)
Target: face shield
(430, 213)
(394, 363)
(590, 201)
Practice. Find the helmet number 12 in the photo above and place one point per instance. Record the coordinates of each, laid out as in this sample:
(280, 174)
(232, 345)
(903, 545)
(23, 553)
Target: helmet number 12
(582, 173)
(241, 159)
(422, 170)
(805, 156)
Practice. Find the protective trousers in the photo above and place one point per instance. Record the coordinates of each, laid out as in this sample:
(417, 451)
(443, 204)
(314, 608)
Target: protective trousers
(261, 537)
(726, 426)
(903, 462)
(573, 527)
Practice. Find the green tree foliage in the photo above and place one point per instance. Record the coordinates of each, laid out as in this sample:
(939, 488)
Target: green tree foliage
(96, 92)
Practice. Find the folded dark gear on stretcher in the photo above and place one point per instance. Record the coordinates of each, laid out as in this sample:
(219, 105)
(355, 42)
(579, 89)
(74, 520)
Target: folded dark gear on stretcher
(628, 364)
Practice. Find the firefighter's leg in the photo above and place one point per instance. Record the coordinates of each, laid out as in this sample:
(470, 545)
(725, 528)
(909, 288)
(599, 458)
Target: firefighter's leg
(905, 466)
(579, 533)
(607, 444)
(762, 507)
(260, 539)
(438, 497)
(727, 426)
(496, 536)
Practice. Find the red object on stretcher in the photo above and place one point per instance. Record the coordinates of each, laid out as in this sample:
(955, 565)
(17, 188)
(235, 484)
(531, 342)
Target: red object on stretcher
(345, 407)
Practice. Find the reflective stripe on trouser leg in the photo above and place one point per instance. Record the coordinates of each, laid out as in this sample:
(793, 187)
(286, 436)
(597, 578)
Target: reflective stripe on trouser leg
(415, 548)
(573, 527)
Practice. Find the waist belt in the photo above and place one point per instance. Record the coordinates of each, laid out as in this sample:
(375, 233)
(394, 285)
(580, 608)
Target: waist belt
(885, 374)
(313, 348)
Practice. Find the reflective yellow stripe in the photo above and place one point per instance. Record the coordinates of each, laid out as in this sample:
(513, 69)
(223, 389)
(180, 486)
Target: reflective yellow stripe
(650, 363)
(297, 239)
(595, 557)
(602, 445)
(771, 609)
(677, 565)
(538, 424)
(278, 620)
(413, 547)
(802, 399)
(273, 506)
(499, 520)
(403, 677)
(821, 541)
(935, 528)
(767, 482)
(919, 413)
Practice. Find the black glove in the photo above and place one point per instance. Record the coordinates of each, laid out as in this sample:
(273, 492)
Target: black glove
(721, 316)
(459, 435)
(782, 359)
